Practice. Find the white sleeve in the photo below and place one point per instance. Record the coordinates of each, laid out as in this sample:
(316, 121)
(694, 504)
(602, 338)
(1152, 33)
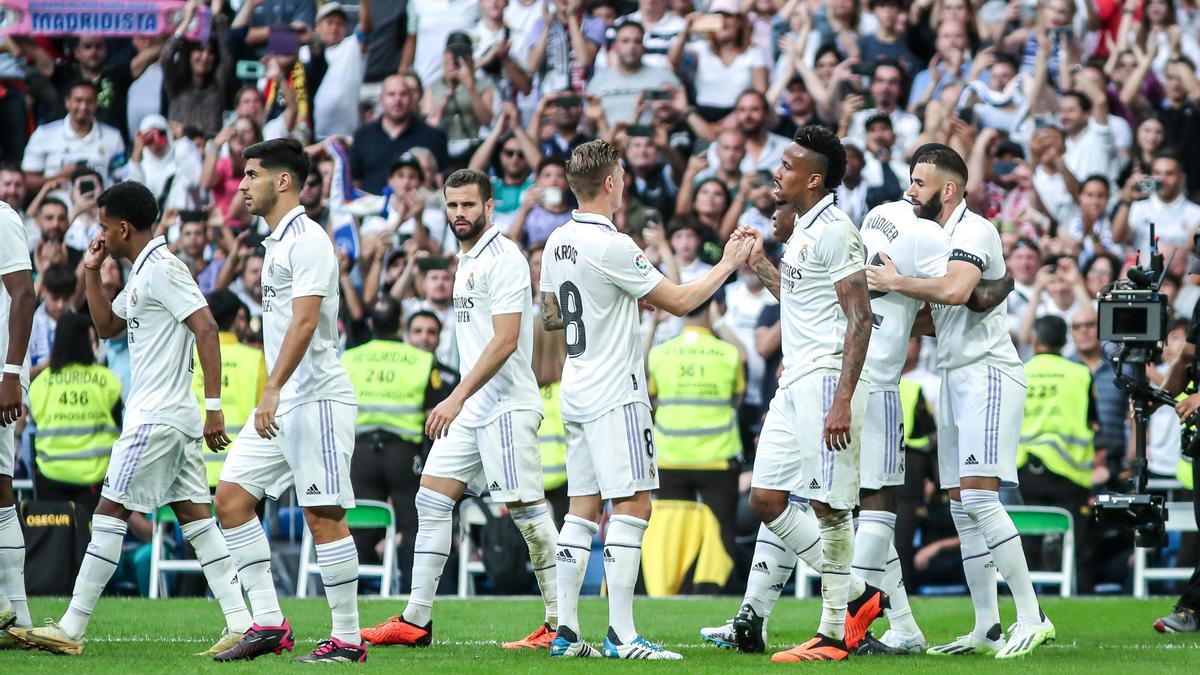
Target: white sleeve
(841, 249)
(313, 265)
(628, 268)
(931, 252)
(545, 283)
(508, 285)
(14, 248)
(972, 243)
(120, 303)
(176, 290)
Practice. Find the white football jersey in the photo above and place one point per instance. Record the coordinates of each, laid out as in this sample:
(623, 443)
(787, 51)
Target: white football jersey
(965, 337)
(493, 278)
(300, 262)
(824, 249)
(13, 258)
(918, 248)
(159, 295)
(598, 274)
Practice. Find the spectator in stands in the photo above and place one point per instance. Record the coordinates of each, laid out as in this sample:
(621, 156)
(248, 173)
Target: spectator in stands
(952, 63)
(52, 220)
(1090, 233)
(753, 206)
(887, 43)
(423, 330)
(661, 26)
(852, 193)
(799, 105)
(344, 56)
(196, 77)
(723, 163)
(763, 148)
(429, 287)
(378, 144)
(885, 170)
(1083, 113)
(506, 155)
(1148, 139)
(192, 248)
(58, 285)
(562, 46)
(55, 147)
(1180, 114)
(726, 63)
(224, 164)
(172, 169)
(493, 50)
(1054, 182)
(544, 206)
(1059, 291)
(1164, 204)
(628, 79)
(85, 214)
(654, 168)
(887, 82)
(429, 23)
(12, 192)
(461, 102)
(565, 110)
(744, 302)
(709, 201)
(1112, 403)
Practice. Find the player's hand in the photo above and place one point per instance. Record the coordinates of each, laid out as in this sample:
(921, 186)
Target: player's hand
(883, 277)
(737, 250)
(95, 254)
(438, 423)
(747, 232)
(264, 414)
(837, 425)
(10, 399)
(1184, 408)
(214, 431)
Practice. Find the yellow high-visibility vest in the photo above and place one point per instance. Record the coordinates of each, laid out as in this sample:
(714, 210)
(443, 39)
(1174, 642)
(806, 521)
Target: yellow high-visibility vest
(694, 377)
(243, 378)
(1055, 428)
(390, 379)
(552, 439)
(910, 395)
(73, 409)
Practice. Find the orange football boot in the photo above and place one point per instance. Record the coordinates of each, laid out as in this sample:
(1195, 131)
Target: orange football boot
(861, 612)
(819, 648)
(538, 639)
(397, 631)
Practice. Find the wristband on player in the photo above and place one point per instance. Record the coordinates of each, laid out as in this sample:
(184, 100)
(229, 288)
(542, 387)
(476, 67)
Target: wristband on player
(212, 404)
(10, 369)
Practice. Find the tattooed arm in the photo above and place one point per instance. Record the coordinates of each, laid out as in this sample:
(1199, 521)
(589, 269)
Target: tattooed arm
(856, 305)
(551, 314)
(988, 294)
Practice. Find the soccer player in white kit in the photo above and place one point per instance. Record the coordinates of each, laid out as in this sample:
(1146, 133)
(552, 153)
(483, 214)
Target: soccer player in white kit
(157, 460)
(592, 278)
(981, 405)
(811, 434)
(485, 432)
(17, 303)
(302, 431)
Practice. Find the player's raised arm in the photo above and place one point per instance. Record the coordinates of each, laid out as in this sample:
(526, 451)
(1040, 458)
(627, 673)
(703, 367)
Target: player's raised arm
(679, 299)
(107, 322)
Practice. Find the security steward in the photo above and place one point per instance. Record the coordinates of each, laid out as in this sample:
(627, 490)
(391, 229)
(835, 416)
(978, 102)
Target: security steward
(696, 383)
(76, 404)
(1057, 458)
(397, 384)
(243, 373)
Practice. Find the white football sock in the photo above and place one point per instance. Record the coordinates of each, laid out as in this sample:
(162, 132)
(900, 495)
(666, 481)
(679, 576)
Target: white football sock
(978, 569)
(773, 565)
(622, 562)
(213, 556)
(797, 527)
(537, 527)
(900, 616)
(998, 530)
(252, 557)
(837, 544)
(435, 518)
(99, 563)
(570, 562)
(12, 564)
(871, 542)
(338, 562)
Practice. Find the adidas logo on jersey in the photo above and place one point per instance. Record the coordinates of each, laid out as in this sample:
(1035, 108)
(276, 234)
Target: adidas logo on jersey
(494, 486)
(312, 490)
(814, 485)
(564, 555)
(761, 566)
(608, 556)
(971, 461)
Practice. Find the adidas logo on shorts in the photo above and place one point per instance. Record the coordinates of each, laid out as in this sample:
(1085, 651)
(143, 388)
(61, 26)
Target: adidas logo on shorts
(312, 490)
(494, 486)
(971, 461)
(608, 556)
(761, 566)
(814, 485)
(564, 555)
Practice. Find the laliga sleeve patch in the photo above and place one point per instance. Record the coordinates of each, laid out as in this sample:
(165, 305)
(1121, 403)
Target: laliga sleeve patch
(642, 264)
(959, 254)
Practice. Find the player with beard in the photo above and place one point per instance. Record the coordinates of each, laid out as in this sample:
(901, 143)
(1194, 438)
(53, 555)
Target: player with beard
(982, 403)
(485, 432)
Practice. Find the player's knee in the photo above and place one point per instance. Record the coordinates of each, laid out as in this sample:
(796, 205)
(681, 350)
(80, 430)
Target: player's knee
(767, 505)
(883, 499)
(234, 505)
(111, 509)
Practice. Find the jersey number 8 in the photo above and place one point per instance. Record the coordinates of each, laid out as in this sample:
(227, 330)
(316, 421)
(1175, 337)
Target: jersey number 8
(570, 304)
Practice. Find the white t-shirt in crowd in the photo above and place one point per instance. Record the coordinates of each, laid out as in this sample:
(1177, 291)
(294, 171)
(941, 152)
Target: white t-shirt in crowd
(159, 296)
(742, 309)
(824, 249)
(300, 262)
(598, 274)
(1091, 151)
(659, 37)
(431, 21)
(335, 105)
(918, 248)
(1174, 222)
(906, 126)
(719, 85)
(1052, 190)
(55, 145)
(493, 279)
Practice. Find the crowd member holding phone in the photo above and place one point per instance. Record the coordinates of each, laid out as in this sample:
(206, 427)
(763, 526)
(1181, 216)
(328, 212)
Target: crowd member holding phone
(628, 80)
(544, 206)
(726, 63)
(461, 103)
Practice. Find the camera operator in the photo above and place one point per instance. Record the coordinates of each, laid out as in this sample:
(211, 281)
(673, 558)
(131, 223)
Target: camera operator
(1183, 372)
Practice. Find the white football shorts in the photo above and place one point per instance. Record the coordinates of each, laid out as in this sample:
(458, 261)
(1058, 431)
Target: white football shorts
(882, 456)
(8, 450)
(980, 411)
(596, 462)
(153, 465)
(502, 457)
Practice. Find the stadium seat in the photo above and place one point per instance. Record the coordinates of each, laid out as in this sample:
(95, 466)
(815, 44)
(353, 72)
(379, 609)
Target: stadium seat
(804, 576)
(159, 563)
(1037, 521)
(367, 514)
(1180, 518)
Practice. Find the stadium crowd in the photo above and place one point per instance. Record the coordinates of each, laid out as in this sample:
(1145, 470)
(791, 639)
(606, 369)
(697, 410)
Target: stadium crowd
(1079, 121)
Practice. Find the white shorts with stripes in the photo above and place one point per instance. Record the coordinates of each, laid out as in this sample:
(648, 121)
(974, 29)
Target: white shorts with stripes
(612, 455)
(792, 457)
(153, 465)
(311, 451)
(980, 411)
(882, 456)
(502, 457)
(8, 450)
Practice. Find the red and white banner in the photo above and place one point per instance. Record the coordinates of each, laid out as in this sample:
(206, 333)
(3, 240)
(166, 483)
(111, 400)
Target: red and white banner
(110, 18)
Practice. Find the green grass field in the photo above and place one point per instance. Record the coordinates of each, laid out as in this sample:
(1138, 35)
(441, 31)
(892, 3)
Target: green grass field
(140, 636)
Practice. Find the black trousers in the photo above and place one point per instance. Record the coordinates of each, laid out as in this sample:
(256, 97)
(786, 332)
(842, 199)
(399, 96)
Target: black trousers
(918, 466)
(86, 497)
(1191, 593)
(716, 488)
(386, 468)
(1041, 487)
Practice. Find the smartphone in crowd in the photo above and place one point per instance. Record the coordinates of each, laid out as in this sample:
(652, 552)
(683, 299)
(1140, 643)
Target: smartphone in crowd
(282, 41)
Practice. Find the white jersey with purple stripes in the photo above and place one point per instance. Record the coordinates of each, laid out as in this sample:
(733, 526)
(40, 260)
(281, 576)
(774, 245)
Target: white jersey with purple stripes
(301, 262)
(824, 249)
(918, 248)
(159, 296)
(493, 279)
(965, 337)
